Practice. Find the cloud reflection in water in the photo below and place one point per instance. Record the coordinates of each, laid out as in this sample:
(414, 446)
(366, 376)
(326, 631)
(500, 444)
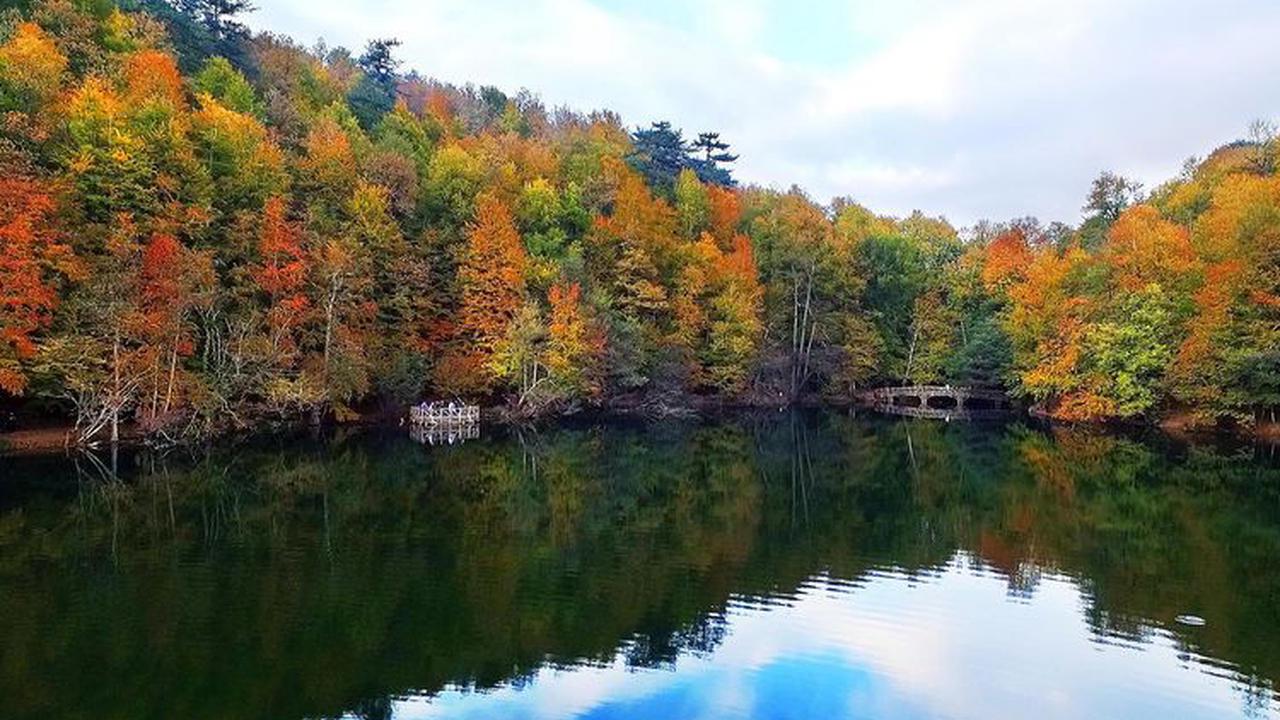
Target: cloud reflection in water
(955, 645)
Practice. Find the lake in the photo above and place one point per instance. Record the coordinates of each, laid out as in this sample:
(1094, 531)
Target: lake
(813, 565)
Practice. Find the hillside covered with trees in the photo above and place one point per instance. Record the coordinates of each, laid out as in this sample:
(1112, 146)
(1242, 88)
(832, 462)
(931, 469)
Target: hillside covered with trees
(201, 228)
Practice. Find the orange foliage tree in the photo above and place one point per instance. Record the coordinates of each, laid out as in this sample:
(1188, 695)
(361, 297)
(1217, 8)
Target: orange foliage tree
(1007, 261)
(327, 173)
(1228, 364)
(492, 281)
(637, 241)
(150, 76)
(574, 343)
(726, 212)
(1046, 321)
(718, 306)
(1142, 248)
(31, 69)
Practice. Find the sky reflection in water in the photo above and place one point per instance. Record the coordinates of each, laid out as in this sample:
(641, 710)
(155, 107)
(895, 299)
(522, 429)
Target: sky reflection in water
(956, 644)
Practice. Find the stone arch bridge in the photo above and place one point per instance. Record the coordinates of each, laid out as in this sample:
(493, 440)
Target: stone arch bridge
(939, 401)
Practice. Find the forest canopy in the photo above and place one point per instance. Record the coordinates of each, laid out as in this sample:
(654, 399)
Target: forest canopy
(201, 227)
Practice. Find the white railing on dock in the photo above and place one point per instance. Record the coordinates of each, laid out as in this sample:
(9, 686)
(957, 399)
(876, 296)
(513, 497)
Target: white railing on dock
(443, 414)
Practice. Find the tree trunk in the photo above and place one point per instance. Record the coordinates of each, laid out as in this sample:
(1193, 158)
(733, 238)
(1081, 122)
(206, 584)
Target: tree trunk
(328, 329)
(173, 370)
(115, 389)
(795, 332)
(808, 353)
(911, 353)
(155, 387)
(799, 329)
(330, 310)
(802, 361)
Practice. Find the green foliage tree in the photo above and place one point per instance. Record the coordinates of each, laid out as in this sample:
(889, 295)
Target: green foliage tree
(219, 79)
(1131, 354)
(375, 93)
(1108, 197)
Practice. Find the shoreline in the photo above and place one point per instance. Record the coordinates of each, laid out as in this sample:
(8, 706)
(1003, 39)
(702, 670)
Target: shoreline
(58, 439)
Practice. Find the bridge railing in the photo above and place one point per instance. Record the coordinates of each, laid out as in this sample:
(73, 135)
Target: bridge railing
(960, 394)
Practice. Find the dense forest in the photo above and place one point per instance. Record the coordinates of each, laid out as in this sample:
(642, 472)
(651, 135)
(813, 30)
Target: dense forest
(202, 227)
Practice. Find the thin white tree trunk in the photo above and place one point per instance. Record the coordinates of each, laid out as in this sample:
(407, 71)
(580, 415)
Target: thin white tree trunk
(115, 389)
(173, 371)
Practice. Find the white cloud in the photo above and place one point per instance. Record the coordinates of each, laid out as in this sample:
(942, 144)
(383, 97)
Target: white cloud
(740, 22)
(983, 108)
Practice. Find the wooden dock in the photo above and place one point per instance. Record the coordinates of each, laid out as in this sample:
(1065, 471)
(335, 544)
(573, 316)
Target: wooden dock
(438, 414)
(440, 423)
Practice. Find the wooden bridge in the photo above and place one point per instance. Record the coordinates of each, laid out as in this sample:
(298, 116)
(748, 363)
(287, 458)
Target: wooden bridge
(945, 402)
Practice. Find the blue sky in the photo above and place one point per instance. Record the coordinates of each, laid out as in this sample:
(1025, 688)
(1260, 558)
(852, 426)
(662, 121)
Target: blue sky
(967, 108)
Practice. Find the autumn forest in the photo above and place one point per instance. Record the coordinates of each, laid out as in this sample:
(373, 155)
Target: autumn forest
(203, 228)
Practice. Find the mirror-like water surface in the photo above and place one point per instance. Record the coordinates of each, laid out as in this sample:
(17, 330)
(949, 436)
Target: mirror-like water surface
(786, 566)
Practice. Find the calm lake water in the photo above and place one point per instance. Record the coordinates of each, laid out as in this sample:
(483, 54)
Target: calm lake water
(788, 566)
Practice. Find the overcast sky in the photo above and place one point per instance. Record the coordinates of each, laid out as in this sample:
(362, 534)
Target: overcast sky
(967, 108)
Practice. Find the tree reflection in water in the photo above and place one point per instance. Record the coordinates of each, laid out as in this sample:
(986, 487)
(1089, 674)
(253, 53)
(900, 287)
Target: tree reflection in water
(314, 578)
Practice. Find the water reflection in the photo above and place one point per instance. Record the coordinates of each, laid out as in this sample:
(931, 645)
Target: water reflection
(446, 434)
(889, 647)
(791, 564)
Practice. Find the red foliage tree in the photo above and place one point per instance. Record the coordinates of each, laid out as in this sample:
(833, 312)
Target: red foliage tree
(166, 293)
(282, 275)
(31, 257)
